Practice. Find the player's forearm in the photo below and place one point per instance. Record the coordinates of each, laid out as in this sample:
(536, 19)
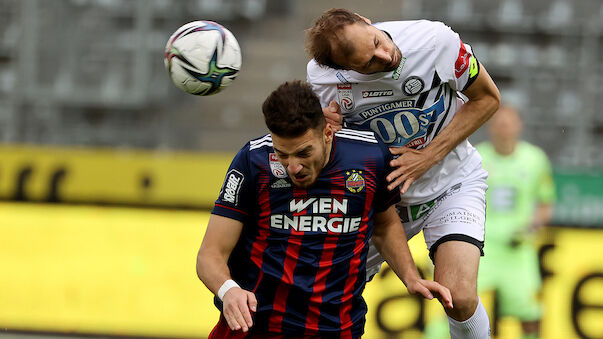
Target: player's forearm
(484, 99)
(471, 116)
(391, 244)
(543, 215)
(212, 270)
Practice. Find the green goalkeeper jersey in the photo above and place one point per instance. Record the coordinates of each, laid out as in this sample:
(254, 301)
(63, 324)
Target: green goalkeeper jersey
(517, 184)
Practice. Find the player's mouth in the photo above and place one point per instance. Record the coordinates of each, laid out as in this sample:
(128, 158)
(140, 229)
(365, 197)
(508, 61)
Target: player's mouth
(395, 60)
(300, 177)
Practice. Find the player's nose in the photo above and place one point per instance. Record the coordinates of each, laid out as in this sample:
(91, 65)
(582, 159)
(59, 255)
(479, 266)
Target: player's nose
(383, 56)
(293, 167)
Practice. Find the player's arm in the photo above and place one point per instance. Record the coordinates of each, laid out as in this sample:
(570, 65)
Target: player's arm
(220, 238)
(484, 100)
(390, 240)
(542, 216)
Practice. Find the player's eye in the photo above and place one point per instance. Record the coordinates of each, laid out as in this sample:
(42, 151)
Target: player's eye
(304, 154)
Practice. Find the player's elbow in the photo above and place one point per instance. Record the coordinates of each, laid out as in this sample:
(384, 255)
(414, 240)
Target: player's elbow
(201, 264)
(493, 102)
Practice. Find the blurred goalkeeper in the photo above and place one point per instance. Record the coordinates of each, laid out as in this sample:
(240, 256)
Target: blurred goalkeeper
(286, 245)
(423, 92)
(520, 197)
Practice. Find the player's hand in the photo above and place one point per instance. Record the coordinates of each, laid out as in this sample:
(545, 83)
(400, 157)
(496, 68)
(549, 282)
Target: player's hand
(238, 305)
(333, 115)
(409, 166)
(429, 289)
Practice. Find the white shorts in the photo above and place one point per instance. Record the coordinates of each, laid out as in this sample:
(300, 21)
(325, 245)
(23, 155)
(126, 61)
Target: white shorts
(457, 214)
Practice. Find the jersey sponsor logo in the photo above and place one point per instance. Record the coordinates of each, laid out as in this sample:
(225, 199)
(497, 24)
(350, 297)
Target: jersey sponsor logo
(346, 97)
(232, 186)
(278, 170)
(354, 181)
(396, 125)
(319, 205)
(378, 93)
(369, 113)
(280, 183)
(311, 221)
(396, 74)
(341, 78)
(416, 142)
(462, 62)
(413, 85)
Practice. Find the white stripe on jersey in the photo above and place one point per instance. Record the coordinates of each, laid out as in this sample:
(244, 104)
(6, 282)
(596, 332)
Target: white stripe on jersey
(367, 136)
(263, 141)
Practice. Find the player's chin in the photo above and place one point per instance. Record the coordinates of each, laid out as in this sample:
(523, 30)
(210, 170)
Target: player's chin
(303, 182)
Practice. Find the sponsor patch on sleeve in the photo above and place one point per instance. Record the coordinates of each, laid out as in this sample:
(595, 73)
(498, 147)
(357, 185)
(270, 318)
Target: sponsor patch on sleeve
(232, 187)
(473, 71)
(462, 62)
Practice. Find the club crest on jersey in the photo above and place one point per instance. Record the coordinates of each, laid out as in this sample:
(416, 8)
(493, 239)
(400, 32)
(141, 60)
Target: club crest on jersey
(354, 181)
(278, 170)
(346, 98)
(412, 85)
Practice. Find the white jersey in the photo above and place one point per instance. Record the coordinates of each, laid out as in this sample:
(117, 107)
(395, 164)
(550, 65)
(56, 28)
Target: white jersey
(412, 104)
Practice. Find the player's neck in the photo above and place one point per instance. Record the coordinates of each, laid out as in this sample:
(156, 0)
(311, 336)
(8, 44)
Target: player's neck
(328, 148)
(505, 148)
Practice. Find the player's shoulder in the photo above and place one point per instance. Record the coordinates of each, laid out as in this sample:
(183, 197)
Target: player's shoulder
(363, 142)
(315, 72)
(531, 151)
(413, 31)
(484, 147)
(423, 25)
(261, 144)
(357, 136)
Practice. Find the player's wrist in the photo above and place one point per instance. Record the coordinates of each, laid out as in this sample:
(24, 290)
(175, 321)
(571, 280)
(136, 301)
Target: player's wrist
(226, 286)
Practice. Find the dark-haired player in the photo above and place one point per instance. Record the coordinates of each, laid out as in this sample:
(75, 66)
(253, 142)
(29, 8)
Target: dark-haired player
(286, 245)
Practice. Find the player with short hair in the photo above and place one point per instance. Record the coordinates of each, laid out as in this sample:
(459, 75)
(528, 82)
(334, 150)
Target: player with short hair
(423, 92)
(520, 196)
(286, 245)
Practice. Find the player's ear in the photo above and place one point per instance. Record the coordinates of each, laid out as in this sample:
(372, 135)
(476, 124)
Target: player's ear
(328, 132)
(363, 18)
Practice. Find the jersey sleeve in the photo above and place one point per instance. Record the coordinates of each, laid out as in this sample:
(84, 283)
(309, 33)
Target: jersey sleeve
(235, 198)
(314, 74)
(456, 63)
(384, 198)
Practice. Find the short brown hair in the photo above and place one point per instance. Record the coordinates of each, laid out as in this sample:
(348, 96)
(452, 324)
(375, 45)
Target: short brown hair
(292, 109)
(324, 31)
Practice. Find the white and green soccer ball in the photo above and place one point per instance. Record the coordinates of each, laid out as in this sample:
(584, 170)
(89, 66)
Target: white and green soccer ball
(202, 57)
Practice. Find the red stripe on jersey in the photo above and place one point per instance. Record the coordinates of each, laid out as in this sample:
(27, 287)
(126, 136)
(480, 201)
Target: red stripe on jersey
(234, 209)
(348, 289)
(259, 244)
(324, 265)
(292, 255)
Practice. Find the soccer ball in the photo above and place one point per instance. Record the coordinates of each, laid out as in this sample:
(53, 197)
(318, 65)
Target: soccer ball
(202, 57)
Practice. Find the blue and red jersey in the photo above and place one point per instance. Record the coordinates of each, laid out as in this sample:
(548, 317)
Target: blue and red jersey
(303, 251)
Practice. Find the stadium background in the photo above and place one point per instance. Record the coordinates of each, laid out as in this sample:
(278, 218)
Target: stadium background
(107, 171)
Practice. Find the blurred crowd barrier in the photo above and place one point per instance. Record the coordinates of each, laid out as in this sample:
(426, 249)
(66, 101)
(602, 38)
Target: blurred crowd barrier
(131, 272)
(193, 180)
